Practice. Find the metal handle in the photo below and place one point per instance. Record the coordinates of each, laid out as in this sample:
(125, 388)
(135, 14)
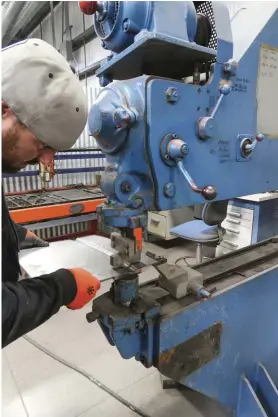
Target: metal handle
(232, 213)
(208, 192)
(206, 124)
(233, 221)
(224, 91)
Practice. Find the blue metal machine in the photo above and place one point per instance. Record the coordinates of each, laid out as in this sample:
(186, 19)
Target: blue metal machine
(188, 115)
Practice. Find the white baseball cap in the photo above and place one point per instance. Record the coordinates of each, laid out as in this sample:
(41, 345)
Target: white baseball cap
(40, 88)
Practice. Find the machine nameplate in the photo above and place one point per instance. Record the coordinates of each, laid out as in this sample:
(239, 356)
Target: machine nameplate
(184, 359)
(267, 86)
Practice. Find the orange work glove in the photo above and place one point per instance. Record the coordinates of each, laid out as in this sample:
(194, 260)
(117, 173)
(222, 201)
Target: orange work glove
(87, 287)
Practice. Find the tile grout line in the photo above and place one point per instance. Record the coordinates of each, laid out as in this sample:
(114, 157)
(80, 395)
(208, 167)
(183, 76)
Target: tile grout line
(17, 387)
(92, 379)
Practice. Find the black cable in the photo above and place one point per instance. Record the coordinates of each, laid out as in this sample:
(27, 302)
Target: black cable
(95, 381)
(184, 258)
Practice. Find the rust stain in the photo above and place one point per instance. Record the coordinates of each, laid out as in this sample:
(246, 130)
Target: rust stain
(166, 357)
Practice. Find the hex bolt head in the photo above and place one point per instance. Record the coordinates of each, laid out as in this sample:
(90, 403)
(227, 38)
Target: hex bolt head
(172, 95)
(230, 67)
(169, 190)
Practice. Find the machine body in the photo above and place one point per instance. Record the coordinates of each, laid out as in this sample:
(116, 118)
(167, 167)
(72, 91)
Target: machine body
(167, 140)
(191, 117)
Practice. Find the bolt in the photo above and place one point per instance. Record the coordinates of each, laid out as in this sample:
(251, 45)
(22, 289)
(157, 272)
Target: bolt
(104, 81)
(230, 67)
(103, 44)
(184, 149)
(137, 203)
(126, 187)
(166, 157)
(169, 190)
(123, 117)
(92, 316)
(171, 95)
(174, 136)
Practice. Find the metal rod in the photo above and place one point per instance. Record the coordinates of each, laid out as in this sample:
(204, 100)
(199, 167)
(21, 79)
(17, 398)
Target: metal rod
(90, 70)
(79, 156)
(217, 106)
(57, 171)
(67, 22)
(188, 178)
(79, 150)
(52, 24)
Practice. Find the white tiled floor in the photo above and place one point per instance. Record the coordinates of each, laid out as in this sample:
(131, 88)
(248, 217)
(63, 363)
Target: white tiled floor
(35, 385)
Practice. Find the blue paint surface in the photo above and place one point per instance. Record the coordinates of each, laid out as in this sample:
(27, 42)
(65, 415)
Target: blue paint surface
(249, 314)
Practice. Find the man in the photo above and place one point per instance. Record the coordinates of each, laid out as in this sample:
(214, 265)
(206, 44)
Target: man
(43, 110)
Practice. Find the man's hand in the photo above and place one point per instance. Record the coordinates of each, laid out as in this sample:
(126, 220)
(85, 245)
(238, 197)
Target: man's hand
(32, 241)
(87, 287)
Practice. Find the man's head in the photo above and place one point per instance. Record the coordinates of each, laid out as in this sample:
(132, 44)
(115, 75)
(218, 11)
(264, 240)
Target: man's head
(43, 104)
(20, 147)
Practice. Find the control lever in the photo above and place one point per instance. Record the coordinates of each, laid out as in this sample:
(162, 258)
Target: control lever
(208, 192)
(206, 124)
(177, 150)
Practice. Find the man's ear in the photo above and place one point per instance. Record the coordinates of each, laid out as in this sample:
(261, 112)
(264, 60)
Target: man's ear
(6, 111)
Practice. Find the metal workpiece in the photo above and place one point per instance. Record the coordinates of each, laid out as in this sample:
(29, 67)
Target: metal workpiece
(127, 252)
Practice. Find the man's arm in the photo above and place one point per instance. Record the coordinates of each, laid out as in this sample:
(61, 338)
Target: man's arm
(21, 232)
(29, 303)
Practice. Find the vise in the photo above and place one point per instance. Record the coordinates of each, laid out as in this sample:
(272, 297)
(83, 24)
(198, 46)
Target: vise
(187, 114)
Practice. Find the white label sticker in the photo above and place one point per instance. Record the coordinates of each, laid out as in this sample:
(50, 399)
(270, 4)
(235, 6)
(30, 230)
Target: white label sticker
(267, 92)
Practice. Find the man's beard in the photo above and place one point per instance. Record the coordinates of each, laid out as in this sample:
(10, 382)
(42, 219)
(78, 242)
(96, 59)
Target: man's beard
(9, 147)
